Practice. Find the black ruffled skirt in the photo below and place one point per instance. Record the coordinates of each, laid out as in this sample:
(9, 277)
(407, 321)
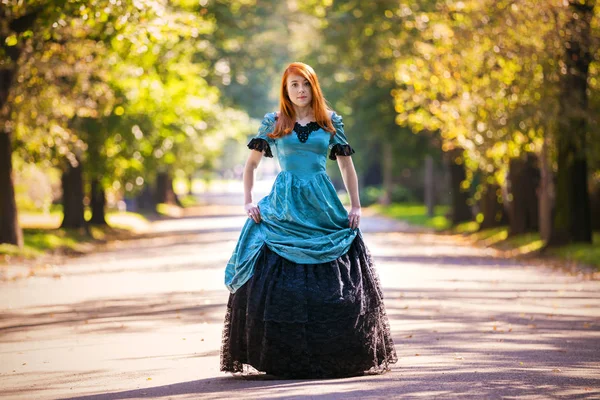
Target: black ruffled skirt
(309, 320)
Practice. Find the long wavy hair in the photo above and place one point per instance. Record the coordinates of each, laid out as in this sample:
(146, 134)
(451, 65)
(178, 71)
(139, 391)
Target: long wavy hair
(287, 115)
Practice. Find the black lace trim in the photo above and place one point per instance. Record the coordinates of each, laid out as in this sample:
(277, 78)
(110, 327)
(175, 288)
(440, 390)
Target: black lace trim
(260, 145)
(305, 321)
(303, 131)
(340, 150)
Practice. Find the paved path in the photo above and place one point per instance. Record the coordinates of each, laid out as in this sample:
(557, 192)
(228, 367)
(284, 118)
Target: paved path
(143, 319)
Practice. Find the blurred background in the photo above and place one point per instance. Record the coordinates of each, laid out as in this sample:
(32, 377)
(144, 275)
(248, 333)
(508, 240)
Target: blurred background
(475, 116)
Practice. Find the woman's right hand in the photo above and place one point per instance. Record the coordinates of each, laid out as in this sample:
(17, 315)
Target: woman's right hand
(253, 212)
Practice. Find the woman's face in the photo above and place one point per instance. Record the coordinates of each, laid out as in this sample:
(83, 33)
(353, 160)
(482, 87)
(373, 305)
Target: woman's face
(299, 90)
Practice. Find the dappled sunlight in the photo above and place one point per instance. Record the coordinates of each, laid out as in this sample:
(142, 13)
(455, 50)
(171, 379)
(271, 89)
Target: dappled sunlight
(465, 324)
(124, 135)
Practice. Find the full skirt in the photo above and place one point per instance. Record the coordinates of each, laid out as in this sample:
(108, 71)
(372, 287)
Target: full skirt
(309, 320)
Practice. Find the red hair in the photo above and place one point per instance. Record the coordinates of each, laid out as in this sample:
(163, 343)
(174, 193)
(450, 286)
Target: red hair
(287, 115)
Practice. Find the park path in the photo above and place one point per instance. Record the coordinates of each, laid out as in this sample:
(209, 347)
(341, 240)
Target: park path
(143, 319)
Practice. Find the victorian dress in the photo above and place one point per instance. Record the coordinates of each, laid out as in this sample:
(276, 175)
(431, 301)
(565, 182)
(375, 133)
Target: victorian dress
(305, 297)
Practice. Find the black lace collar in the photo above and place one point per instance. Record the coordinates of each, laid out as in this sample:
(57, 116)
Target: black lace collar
(303, 131)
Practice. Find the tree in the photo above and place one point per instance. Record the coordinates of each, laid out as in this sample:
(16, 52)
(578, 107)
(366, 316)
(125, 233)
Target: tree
(478, 74)
(116, 87)
(359, 43)
(13, 22)
(573, 212)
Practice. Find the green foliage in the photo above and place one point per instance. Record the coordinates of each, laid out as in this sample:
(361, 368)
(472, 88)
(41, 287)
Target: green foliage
(120, 86)
(358, 45)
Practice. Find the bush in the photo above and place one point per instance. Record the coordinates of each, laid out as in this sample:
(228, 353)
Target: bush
(371, 195)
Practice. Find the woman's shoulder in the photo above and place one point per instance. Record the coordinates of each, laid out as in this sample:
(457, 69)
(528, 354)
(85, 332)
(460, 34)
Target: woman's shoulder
(270, 118)
(273, 115)
(335, 118)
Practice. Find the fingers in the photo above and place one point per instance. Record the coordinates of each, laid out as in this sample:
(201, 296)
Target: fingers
(354, 220)
(254, 214)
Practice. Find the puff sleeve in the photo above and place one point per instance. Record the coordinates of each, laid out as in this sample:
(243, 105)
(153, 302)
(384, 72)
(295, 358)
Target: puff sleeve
(338, 144)
(261, 142)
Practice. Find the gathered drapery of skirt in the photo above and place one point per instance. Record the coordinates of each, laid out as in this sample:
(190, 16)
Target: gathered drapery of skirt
(309, 320)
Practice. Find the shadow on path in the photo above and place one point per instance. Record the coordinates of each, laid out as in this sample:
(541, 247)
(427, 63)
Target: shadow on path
(438, 382)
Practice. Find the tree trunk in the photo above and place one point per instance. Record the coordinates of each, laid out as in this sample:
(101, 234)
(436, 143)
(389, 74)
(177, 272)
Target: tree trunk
(545, 192)
(97, 203)
(164, 189)
(492, 207)
(387, 165)
(145, 200)
(429, 186)
(523, 181)
(372, 175)
(10, 231)
(191, 185)
(72, 198)
(461, 212)
(595, 203)
(573, 215)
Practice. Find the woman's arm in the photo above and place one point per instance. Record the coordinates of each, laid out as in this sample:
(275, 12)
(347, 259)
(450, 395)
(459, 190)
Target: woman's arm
(351, 182)
(251, 164)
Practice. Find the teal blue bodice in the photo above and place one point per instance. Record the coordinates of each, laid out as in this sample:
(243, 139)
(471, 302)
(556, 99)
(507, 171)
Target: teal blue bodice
(303, 219)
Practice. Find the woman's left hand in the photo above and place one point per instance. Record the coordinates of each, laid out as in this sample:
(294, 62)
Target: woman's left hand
(354, 217)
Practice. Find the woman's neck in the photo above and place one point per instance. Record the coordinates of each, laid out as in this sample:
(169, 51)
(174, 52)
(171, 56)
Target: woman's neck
(303, 113)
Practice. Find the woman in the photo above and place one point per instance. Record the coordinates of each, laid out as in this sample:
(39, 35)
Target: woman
(305, 299)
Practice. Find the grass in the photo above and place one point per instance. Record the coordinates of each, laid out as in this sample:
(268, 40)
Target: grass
(188, 200)
(42, 234)
(498, 238)
(581, 252)
(416, 214)
(37, 242)
(532, 244)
